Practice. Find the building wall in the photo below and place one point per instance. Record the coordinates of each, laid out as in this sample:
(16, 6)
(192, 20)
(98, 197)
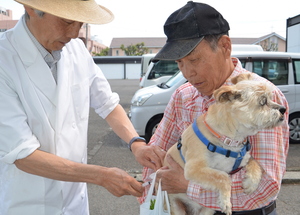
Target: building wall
(6, 21)
(281, 46)
(273, 44)
(5, 14)
(120, 52)
(92, 45)
(7, 24)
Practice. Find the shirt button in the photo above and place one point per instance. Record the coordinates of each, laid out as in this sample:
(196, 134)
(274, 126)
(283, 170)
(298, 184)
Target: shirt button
(73, 125)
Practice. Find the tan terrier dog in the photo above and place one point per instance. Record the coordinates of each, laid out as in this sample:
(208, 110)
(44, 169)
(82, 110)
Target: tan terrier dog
(216, 143)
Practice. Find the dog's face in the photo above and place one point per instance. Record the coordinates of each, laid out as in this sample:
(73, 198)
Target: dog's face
(247, 106)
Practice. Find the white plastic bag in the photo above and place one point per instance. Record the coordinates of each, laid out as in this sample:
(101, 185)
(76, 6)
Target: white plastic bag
(160, 199)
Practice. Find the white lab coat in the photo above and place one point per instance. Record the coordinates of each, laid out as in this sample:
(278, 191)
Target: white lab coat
(38, 114)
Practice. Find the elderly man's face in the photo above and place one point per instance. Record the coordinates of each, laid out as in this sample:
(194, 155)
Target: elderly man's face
(207, 69)
(51, 31)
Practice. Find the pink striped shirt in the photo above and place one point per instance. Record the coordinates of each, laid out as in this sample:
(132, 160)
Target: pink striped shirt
(269, 147)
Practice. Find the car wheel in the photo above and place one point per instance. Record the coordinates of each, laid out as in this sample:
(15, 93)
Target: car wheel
(294, 123)
(152, 127)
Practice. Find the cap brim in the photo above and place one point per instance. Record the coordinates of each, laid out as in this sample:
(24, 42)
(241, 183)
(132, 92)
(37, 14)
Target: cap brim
(176, 50)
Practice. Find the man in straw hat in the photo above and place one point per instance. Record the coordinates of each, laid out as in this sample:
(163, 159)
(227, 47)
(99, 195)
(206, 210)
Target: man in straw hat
(197, 39)
(48, 82)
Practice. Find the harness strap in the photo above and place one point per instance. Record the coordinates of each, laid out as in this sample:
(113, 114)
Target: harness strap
(213, 148)
(179, 145)
(228, 153)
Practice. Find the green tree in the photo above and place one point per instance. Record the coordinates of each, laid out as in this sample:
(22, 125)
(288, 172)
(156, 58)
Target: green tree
(104, 52)
(135, 50)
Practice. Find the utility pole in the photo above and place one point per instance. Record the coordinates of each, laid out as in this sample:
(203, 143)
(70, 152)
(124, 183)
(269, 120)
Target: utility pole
(86, 34)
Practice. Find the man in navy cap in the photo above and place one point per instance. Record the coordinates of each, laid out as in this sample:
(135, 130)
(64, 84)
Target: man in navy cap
(197, 39)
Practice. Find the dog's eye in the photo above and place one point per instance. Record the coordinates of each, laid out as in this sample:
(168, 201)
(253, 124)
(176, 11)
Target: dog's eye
(263, 101)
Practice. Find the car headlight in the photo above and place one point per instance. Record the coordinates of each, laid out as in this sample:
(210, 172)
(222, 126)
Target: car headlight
(140, 100)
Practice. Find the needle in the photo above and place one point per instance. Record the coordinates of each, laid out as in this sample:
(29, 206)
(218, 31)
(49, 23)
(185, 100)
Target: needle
(146, 183)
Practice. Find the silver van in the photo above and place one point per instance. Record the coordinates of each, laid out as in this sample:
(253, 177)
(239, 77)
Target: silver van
(145, 62)
(159, 72)
(281, 68)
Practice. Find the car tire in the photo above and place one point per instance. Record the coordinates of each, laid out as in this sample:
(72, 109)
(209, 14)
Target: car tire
(151, 127)
(294, 123)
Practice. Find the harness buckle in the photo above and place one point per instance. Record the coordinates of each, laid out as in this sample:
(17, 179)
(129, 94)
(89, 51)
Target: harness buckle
(230, 142)
(214, 147)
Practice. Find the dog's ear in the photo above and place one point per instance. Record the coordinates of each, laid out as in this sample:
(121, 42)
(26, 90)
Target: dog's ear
(242, 77)
(226, 93)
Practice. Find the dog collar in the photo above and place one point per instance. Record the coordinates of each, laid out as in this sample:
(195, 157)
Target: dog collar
(228, 153)
(224, 139)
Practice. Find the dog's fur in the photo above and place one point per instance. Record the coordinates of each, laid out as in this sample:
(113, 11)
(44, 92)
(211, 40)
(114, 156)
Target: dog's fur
(240, 110)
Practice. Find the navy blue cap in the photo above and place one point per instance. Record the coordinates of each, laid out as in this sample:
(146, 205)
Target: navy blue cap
(187, 26)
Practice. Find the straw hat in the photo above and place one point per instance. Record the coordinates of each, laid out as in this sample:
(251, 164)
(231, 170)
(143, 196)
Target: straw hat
(86, 11)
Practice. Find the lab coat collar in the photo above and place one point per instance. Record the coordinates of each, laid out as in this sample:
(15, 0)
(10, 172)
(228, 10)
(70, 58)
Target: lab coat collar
(34, 64)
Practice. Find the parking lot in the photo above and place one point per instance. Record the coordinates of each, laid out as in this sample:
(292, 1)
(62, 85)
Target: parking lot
(106, 149)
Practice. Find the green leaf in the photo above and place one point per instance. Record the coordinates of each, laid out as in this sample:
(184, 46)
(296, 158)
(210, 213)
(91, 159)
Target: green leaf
(152, 203)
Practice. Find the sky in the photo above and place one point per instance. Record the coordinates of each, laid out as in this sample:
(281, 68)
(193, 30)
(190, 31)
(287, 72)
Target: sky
(141, 18)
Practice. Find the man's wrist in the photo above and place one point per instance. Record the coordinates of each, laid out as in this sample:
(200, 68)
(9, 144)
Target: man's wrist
(134, 139)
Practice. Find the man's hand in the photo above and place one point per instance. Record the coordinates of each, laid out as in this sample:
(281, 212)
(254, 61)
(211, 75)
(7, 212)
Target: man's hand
(120, 183)
(148, 155)
(172, 177)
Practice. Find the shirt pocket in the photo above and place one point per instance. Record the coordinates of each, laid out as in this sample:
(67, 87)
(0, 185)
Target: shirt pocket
(81, 99)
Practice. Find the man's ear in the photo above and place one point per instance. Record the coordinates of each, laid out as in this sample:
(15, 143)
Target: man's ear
(225, 43)
(30, 11)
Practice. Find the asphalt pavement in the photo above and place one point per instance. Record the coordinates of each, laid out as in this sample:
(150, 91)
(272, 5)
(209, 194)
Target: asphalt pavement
(107, 149)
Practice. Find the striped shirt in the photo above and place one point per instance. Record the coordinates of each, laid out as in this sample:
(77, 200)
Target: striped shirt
(269, 147)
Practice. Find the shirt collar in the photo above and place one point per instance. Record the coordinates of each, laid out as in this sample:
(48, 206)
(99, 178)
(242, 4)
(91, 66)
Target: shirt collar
(50, 58)
(238, 69)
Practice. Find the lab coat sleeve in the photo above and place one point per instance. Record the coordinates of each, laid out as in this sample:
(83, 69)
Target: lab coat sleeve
(103, 100)
(16, 138)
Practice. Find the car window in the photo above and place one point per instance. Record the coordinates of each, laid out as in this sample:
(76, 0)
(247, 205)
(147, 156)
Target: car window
(243, 62)
(275, 71)
(174, 79)
(297, 71)
(163, 68)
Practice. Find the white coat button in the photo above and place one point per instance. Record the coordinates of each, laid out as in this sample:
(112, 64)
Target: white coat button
(73, 125)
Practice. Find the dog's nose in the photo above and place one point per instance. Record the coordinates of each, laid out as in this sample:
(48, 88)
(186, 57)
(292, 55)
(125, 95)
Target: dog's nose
(282, 110)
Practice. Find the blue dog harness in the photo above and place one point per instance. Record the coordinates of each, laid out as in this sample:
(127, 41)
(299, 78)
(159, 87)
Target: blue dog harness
(213, 148)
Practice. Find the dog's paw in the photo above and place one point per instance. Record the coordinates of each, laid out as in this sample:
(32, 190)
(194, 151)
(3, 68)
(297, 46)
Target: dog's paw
(249, 185)
(226, 207)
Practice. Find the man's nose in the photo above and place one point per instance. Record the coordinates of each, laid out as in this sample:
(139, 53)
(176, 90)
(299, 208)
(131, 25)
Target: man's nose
(189, 73)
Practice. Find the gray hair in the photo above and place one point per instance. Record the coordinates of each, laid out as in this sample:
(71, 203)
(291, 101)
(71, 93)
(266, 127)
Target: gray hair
(38, 12)
(213, 40)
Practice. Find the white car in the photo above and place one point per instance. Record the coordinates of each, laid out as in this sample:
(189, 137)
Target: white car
(281, 68)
